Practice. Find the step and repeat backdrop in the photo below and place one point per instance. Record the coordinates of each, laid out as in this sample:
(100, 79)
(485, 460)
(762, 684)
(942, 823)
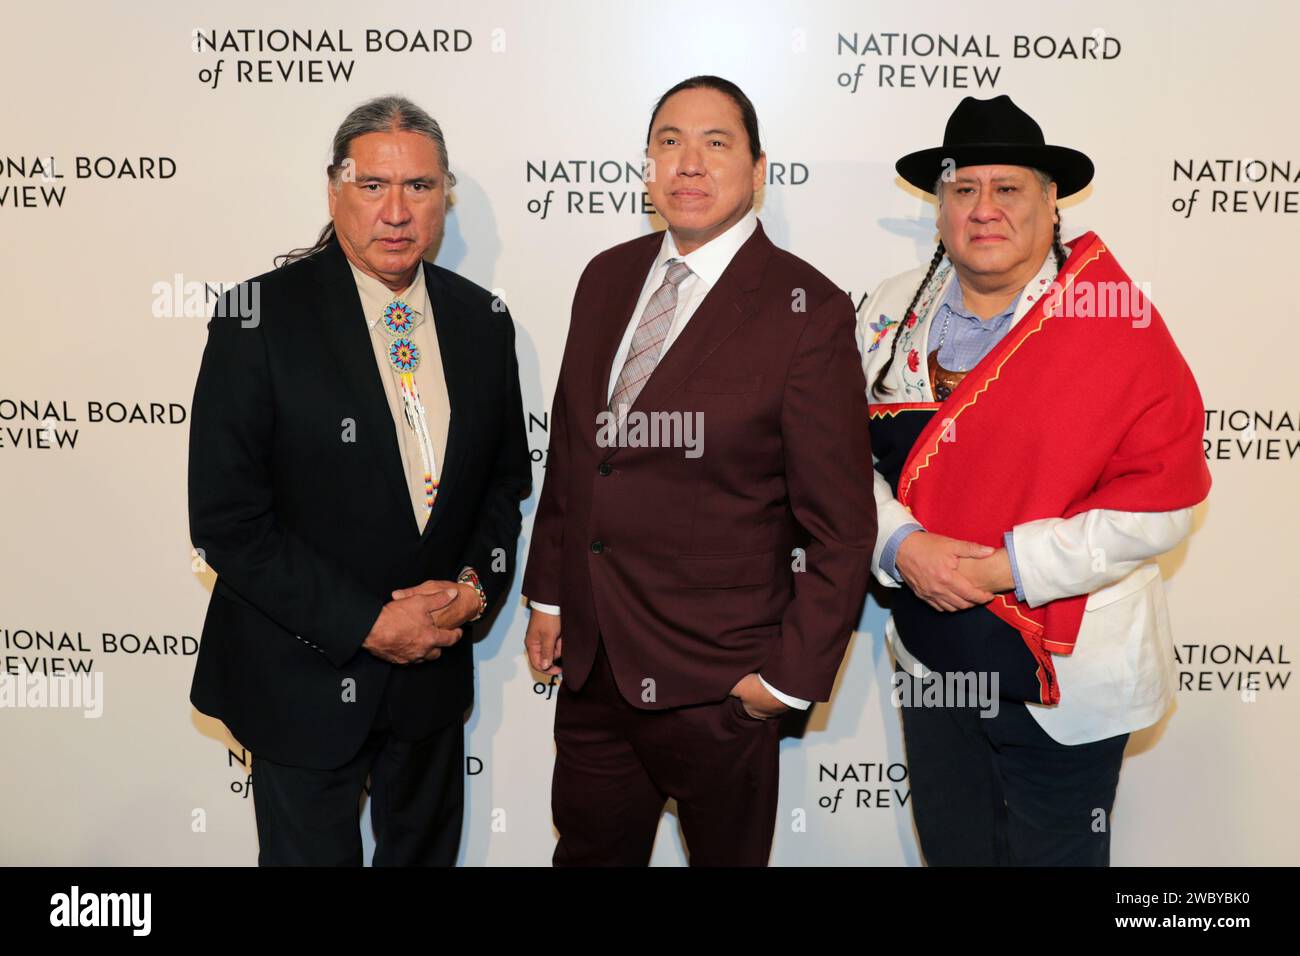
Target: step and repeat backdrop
(154, 153)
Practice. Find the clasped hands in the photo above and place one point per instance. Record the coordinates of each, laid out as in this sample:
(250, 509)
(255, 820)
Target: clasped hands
(952, 575)
(419, 622)
(544, 646)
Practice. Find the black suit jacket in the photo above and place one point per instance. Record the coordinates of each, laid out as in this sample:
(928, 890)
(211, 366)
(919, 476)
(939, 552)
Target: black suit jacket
(298, 501)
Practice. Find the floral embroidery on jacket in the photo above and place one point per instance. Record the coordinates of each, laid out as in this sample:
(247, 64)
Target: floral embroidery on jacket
(914, 379)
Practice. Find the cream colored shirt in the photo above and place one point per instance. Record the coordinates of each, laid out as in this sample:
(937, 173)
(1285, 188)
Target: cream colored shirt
(429, 378)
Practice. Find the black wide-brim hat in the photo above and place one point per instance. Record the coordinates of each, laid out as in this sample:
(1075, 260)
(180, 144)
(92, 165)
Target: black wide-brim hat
(996, 132)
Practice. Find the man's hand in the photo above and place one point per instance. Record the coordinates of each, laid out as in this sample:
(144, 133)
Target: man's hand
(992, 573)
(404, 632)
(461, 601)
(931, 566)
(543, 641)
(757, 699)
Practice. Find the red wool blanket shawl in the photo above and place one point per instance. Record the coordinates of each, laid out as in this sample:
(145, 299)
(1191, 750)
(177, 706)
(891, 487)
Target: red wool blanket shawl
(1086, 403)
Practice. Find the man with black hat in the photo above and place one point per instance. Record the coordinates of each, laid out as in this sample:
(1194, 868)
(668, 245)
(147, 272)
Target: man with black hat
(1036, 436)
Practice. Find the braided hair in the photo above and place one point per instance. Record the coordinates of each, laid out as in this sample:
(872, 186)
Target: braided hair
(879, 384)
(1058, 252)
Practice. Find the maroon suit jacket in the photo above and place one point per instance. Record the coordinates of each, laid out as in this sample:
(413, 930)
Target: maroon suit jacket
(686, 566)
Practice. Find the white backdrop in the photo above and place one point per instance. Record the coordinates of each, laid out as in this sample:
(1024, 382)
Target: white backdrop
(136, 158)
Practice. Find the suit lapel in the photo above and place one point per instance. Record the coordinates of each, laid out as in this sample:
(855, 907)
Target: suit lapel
(625, 288)
(348, 337)
(451, 317)
(729, 303)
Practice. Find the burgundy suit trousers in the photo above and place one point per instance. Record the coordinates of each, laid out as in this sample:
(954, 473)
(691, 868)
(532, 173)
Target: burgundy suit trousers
(616, 765)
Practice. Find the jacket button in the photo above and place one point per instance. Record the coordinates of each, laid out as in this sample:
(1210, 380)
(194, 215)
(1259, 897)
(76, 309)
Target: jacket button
(604, 469)
(597, 547)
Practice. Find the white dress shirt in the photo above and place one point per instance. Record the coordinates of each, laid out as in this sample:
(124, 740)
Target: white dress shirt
(707, 263)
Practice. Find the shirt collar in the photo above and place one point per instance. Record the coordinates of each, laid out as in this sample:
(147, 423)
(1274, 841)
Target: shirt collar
(954, 301)
(375, 296)
(710, 260)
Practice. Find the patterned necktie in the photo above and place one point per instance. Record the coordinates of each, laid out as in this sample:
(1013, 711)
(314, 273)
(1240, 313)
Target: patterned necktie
(648, 340)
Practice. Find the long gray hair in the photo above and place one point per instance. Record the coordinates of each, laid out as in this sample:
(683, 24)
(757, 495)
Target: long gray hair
(380, 115)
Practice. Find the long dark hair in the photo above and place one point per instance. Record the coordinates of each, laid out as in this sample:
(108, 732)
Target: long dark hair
(878, 385)
(748, 115)
(1058, 251)
(379, 115)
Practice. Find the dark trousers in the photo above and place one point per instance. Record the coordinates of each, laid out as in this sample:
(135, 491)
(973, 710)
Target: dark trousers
(616, 765)
(309, 817)
(998, 791)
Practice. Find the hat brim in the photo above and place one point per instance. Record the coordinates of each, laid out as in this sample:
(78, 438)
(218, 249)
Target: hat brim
(1071, 169)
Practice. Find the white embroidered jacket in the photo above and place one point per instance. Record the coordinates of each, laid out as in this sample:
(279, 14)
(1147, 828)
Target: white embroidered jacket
(1121, 676)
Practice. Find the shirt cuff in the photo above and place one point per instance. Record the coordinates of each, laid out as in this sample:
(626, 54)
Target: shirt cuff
(544, 608)
(889, 553)
(798, 703)
(1010, 540)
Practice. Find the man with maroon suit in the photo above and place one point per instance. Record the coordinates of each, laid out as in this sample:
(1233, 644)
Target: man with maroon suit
(707, 521)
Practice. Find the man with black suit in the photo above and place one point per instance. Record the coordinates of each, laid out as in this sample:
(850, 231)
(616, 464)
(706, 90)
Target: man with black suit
(357, 458)
(706, 526)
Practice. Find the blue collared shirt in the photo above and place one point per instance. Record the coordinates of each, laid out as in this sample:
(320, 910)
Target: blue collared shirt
(967, 339)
